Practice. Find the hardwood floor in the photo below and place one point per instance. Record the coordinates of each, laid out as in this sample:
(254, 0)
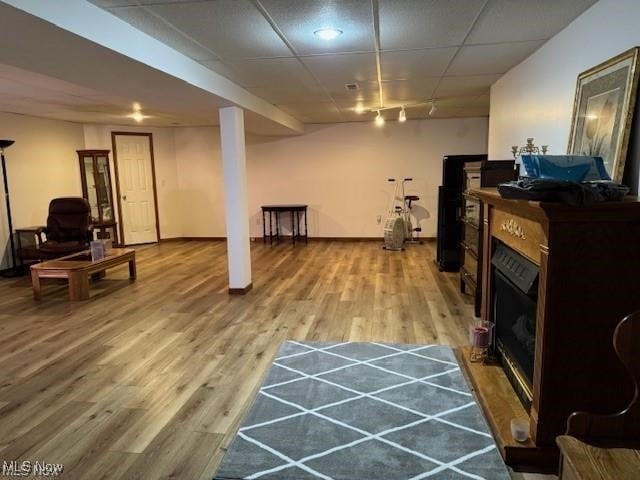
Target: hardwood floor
(148, 380)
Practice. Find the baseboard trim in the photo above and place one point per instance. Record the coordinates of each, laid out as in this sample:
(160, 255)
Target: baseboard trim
(362, 239)
(260, 239)
(241, 291)
(350, 239)
(187, 239)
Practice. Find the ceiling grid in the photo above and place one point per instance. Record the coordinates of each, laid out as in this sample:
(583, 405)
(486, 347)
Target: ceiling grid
(397, 52)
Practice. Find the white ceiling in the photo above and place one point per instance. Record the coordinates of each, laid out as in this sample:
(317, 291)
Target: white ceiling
(49, 70)
(449, 50)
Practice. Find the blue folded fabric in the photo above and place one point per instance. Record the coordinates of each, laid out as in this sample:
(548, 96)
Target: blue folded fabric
(572, 168)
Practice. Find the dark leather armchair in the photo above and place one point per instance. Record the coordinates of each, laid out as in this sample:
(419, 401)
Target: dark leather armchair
(68, 229)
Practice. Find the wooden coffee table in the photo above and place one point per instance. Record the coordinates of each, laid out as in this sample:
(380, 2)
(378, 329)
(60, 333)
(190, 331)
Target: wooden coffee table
(77, 269)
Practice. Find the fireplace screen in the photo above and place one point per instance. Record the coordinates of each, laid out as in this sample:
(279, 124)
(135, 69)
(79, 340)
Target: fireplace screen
(514, 314)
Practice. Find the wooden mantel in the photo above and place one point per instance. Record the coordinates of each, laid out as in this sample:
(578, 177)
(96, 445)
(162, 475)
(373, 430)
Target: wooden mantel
(589, 260)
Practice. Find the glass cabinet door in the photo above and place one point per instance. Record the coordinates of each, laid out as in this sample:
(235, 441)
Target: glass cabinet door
(96, 184)
(89, 184)
(103, 188)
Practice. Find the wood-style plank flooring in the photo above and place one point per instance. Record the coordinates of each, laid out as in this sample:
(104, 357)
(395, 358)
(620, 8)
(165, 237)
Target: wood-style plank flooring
(148, 380)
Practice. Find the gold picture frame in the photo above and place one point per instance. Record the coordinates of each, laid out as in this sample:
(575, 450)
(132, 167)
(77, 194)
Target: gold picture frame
(603, 109)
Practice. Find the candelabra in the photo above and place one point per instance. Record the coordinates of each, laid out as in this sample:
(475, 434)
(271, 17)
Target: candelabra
(528, 149)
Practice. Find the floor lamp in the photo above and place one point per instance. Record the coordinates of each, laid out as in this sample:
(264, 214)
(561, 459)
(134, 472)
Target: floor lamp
(4, 144)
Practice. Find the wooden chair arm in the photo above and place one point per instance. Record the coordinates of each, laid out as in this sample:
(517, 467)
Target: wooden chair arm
(622, 427)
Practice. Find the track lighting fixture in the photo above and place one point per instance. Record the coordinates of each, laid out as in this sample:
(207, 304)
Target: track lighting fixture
(433, 108)
(402, 116)
(379, 120)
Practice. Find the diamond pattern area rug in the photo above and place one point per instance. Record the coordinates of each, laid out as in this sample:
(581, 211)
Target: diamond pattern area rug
(363, 411)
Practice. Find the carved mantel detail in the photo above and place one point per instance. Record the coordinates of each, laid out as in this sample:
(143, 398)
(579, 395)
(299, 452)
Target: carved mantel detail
(513, 229)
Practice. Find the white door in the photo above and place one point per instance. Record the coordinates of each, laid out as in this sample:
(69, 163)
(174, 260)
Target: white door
(137, 197)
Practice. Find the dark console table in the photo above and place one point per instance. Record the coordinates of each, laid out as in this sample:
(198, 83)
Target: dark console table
(295, 211)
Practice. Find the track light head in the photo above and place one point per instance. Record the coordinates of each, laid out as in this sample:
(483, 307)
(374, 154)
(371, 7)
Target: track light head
(402, 116)
(433, 109)
(379, 121)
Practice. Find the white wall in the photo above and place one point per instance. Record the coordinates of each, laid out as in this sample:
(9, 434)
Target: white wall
(535, 99)
(199, 179)
(41, 165)
(169, 206)
(339, 170)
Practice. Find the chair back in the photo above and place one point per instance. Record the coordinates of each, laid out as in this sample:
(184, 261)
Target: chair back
(620, 428)
(69, 219)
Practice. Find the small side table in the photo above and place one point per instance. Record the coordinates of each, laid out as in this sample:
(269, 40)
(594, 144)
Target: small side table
(295, 210)
(27, 243)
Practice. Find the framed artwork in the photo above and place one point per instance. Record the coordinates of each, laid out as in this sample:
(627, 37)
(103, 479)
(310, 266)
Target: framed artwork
(603, 111)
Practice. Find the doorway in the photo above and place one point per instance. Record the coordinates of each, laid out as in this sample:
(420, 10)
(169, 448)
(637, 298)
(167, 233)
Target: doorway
(136, 187)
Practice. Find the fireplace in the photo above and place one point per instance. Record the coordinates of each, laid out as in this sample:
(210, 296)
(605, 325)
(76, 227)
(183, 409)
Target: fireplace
(515, 281)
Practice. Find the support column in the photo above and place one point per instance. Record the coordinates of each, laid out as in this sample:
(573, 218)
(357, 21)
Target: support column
(236, 204)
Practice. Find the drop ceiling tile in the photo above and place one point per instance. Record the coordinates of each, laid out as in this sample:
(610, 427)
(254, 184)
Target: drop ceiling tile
(461, 112)
(343, 68)
(271, 72)
(351, 116)
(220, 68)
(418, 113)
(463, 102)
(298, 19)
(367, 92)
(465, 85)
(113, 3)
(232, 28)
(425, 24)
(350, 106)
(491, 59)
(414, 90)
(288, 95)
(313, 112)
(415, 63)
(31, 82)
(513, 20)
(149, 23)
(323, 118)
(122, 3)
(307, 108)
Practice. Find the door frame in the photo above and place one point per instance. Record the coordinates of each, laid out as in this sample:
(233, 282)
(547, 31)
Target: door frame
(153, 178)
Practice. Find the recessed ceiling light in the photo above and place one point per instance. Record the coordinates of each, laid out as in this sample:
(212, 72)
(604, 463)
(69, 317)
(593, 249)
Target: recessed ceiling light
(359, 108)
(138, 116)
(328, 33)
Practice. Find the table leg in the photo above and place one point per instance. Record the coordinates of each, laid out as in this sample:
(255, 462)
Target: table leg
(98, 275)
(264, 228)
(35, 283)
(278, 225)
(306, 231)
(293, 229)
(133, 274)
(78, 286)
(270, 228)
